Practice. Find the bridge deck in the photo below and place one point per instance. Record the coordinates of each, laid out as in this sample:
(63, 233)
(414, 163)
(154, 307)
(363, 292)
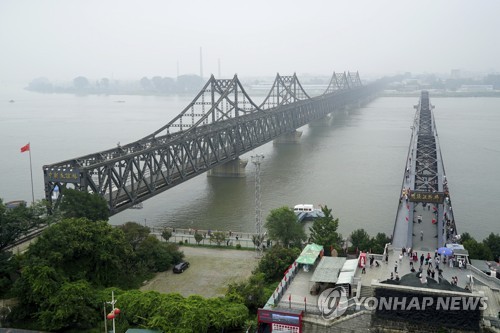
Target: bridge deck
(424, 224)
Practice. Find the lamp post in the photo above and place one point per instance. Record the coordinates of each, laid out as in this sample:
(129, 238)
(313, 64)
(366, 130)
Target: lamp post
(114, 311)
(256, 160)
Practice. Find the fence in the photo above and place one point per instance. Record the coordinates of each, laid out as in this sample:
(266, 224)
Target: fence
(244, 239)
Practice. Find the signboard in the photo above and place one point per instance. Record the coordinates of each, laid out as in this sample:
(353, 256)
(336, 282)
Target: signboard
(63, 175)
(267, 316)
(431, 197)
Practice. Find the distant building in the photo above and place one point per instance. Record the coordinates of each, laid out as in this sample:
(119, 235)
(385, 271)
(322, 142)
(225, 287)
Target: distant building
(15, 204)
(455, 74)
(475, 87)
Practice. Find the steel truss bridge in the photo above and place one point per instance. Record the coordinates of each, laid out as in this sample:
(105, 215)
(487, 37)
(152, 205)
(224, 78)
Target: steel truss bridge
(219, 125)
(425, 203)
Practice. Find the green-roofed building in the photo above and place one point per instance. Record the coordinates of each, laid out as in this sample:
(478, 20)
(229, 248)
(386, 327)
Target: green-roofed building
(309, 254)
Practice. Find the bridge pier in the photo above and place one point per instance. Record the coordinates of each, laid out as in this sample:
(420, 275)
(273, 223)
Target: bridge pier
(234, 168)
(326, 121)
(290, 137)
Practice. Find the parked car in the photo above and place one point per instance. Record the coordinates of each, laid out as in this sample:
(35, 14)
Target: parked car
(181, 267)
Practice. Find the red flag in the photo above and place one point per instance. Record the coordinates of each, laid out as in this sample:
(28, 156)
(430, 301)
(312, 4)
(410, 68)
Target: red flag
(290, 297)
(25, 148)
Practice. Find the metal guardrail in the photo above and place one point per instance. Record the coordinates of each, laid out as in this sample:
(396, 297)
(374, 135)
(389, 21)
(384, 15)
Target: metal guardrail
(26, 238)
(186, 236)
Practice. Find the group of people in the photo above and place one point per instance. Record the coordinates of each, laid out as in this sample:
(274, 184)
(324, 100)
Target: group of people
(432, 263)
(372, 262)
(405, 194)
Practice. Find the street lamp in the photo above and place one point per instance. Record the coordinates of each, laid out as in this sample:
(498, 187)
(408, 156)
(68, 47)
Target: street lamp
(256, 160)
(114, 312)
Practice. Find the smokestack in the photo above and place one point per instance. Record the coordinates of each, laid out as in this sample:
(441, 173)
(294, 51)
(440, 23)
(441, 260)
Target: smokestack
(201, 62)
(177, 68)
(218, 63)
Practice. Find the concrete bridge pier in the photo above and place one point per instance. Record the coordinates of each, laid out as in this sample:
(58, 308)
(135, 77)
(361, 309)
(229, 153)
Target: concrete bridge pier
(287, 138)
(326, 121)
(232, 169)
(352, 106)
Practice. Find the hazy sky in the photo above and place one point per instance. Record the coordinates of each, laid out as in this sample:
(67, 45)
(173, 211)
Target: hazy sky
(131, 39)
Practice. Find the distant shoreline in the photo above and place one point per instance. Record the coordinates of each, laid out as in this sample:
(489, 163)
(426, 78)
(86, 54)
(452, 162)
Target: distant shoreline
(441, 93)
(260, 92)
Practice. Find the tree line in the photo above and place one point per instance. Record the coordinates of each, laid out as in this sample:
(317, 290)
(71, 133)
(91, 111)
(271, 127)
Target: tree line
(64, 278)
(153, 85)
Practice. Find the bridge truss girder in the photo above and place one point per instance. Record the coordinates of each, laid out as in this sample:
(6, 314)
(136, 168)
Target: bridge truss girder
(427, 171)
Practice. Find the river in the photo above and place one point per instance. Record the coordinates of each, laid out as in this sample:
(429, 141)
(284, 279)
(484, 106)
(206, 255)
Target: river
(355, 166)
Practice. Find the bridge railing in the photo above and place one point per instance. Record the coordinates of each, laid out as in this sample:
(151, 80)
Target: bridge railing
(492, 280)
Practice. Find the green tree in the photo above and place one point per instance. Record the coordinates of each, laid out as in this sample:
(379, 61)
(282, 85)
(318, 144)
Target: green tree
(465, 237)
(82, 204)
(73, 305)
(477, 250)
(283, 227)
(146, 83)
(9, 266)
(15, 223)
(378, 242)
(156, 82)
(41, 84)
(80, 83)
(198, 237)
(135, 233)
(82, 249)
(174, 313)
(218, 237)
(157, 256)
(324, 231)
(74, 258)
(276, 261)
(252, 292)
(360, 240)
(493, 243)
(166, 234)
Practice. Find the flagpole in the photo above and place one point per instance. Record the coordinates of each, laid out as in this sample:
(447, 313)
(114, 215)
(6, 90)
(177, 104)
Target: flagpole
(31, 172)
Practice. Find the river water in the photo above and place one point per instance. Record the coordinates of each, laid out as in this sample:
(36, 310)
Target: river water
(354, 166)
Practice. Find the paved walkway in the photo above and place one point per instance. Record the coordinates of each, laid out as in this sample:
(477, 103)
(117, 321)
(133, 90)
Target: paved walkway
(403, 267)
(187, 236)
